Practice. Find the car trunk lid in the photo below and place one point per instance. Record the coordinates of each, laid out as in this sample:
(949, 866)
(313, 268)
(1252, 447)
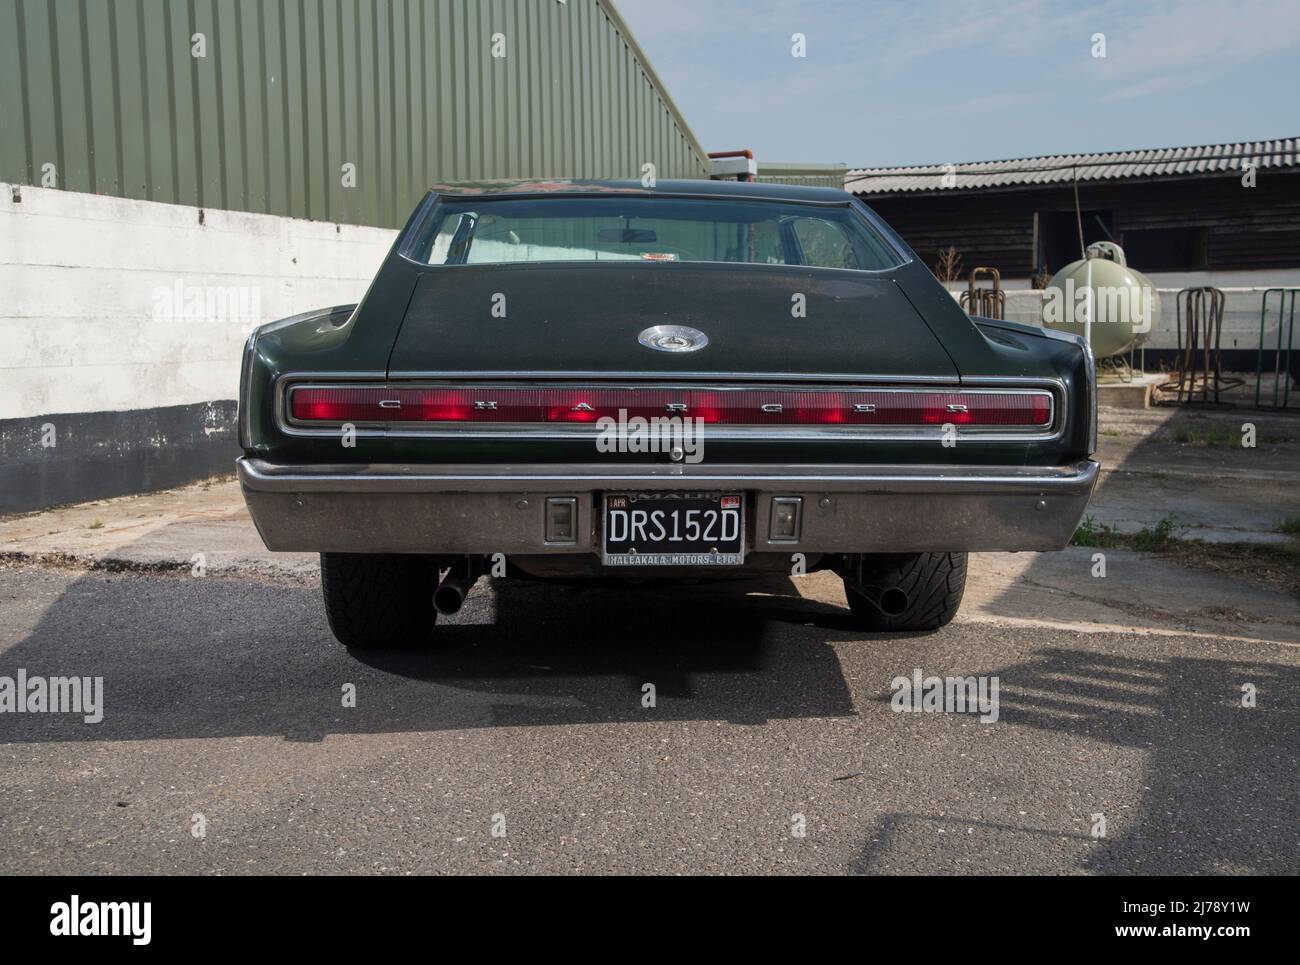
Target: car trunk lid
(584, 320)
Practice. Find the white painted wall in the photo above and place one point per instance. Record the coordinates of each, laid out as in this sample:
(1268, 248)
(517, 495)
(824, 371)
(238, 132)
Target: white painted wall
(86, 281)
(1242, 292)
(1257, 278)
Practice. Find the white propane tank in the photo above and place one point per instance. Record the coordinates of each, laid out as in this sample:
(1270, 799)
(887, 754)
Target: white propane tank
(1102, 299)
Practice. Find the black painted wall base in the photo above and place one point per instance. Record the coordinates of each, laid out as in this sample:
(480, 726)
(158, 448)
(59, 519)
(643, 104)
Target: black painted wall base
(1236, 360)
(55, 459)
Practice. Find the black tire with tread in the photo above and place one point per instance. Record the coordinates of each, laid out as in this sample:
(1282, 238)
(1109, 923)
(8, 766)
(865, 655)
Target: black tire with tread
(378, 599)
(934, 584)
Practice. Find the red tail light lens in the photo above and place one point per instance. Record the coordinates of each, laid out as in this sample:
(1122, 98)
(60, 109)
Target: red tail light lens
(714, 406)
(747, 407)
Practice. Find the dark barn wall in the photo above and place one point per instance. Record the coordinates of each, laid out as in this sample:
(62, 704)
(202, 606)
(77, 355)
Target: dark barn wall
(989, 230)
(1246, 228)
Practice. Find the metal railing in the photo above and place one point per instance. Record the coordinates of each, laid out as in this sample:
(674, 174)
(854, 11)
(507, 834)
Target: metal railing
(1200, 327)
(1281, 370)
(988, 302)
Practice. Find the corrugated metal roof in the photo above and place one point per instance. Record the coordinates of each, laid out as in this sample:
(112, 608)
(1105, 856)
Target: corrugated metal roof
(698, 187)
(1062, 168)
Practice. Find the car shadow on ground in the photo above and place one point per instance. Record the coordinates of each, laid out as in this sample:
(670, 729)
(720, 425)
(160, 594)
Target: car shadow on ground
(1209, 763)
(214, 657)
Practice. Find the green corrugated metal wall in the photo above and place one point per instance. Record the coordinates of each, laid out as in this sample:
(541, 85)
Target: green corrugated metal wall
(407, 90)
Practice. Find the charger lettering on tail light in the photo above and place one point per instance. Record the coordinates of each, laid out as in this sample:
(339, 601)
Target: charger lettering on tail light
(1029, 410)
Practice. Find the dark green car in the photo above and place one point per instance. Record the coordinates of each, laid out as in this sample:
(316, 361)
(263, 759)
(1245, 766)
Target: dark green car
(570, 380)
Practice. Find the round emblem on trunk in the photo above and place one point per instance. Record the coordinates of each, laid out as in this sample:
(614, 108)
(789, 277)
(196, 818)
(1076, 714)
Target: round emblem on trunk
(673, 338)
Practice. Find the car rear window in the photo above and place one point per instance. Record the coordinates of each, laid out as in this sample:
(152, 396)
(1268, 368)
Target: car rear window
(476, 232)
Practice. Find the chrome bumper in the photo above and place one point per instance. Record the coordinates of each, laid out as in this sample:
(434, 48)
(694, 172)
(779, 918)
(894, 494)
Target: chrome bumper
(501, 509)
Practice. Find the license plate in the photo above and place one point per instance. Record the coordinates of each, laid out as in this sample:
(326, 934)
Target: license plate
(674, 529)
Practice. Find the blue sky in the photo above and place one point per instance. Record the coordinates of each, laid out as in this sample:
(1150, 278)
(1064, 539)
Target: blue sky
(922, 82)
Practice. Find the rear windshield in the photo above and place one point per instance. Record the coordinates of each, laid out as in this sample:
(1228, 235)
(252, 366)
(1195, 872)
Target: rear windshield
(477, 232)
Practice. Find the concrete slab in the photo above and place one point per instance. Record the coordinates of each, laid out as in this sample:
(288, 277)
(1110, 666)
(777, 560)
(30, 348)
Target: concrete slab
(165, 530)
(1224, 475)
(1139, 593)
(1136, 394)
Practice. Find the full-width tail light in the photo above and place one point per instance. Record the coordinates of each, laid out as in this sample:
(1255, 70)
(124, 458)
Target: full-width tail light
(1026, 409)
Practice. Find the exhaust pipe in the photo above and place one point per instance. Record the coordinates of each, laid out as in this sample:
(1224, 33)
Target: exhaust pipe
(450, 595)
(889, 600)
(892, 600)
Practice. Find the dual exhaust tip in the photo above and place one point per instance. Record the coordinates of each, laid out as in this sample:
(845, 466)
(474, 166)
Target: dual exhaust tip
(892, 601)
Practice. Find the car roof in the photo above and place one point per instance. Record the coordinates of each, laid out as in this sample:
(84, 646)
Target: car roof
(740, 190)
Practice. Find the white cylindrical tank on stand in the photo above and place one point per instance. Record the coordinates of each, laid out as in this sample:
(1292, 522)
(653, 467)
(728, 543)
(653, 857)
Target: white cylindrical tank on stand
(1101, 298)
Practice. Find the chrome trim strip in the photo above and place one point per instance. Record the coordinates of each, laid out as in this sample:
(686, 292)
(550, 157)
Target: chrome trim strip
(764, 377)
(1090, 367)
(1090, 364)
(245, 416)
(617, 192)
(879, 228)
(658, 265)
(259, 475)
(1054, 389)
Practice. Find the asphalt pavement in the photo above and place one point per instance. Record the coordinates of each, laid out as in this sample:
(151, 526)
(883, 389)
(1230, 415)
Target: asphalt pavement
(520, 739)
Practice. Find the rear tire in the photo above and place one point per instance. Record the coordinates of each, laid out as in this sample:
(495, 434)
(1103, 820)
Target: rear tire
(378, 599)
(934, 584)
